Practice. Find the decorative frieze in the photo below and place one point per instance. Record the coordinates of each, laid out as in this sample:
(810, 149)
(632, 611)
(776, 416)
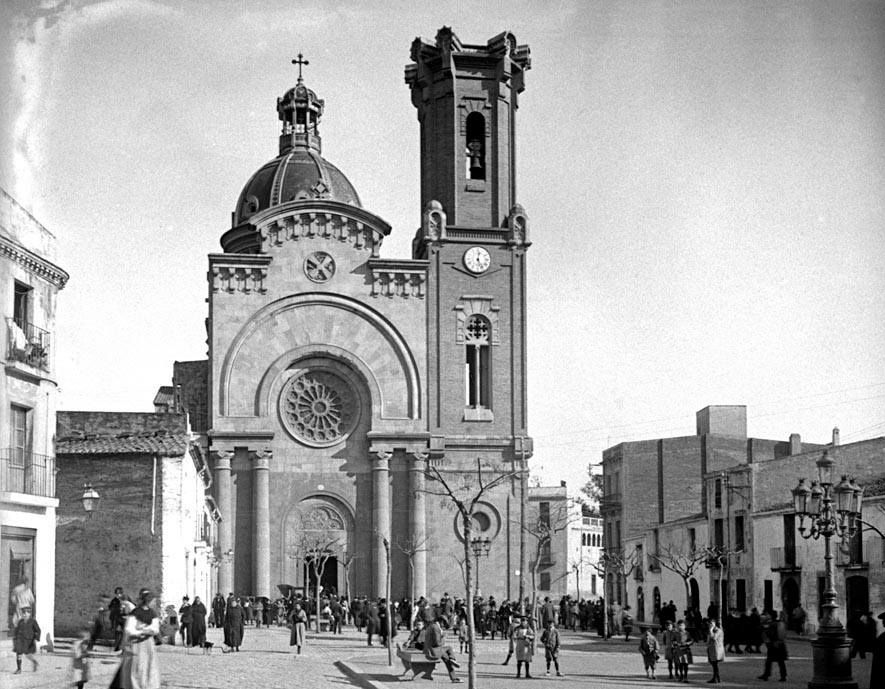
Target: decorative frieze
(297, 225)
(33, 263)
(398, 278)
(246, 274)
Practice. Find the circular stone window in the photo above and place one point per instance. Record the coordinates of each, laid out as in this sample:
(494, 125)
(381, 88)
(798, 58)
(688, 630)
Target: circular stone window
(318, 408)
(319, 266)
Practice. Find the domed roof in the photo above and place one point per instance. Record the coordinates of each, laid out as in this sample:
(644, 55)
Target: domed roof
(300, 173)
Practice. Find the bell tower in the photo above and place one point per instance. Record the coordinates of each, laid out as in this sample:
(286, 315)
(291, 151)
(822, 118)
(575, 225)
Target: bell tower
(466, 96)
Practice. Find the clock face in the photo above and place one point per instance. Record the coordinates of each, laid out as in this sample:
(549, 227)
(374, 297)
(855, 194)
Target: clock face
(477, 259)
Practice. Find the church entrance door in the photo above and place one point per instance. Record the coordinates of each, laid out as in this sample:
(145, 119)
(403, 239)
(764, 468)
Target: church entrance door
(328, 575)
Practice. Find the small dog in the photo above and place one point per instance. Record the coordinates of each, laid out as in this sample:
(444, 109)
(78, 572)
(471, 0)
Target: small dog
(207, 648)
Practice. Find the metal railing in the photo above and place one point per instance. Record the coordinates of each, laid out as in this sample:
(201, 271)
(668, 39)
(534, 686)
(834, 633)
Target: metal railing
(27, 344)
(26, 472)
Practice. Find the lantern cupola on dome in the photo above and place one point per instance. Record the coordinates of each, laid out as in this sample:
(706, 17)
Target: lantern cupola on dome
(300, 111)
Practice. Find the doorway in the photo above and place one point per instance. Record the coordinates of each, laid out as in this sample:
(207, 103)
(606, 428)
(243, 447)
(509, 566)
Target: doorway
(789, 595)
(857, 596)
(695, 592)
(328, 575)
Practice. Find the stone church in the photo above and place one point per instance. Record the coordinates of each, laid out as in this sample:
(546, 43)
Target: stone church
(335, 375)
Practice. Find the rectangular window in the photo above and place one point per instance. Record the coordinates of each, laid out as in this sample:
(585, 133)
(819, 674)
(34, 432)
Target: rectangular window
(592, 584)
(19, 435)
(717, 494)
(692, 541)
(618, 535)
(544, 584)
(617, 481)
(718, 533)
(16, 564)
(478, 378)
(790, 540)
(740, 592)
(544, 515)
(768, 594)
(739, 533)
(21, 312)
(545, 553)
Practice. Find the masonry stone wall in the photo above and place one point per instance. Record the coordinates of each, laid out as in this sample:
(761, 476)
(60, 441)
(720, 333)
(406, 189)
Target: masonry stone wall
(92, 423)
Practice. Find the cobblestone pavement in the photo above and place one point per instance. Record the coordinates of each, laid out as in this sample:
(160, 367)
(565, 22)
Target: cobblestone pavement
(266, 661)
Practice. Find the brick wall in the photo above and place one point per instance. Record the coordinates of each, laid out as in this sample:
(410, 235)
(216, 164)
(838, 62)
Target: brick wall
(191, 379)
(72, 423)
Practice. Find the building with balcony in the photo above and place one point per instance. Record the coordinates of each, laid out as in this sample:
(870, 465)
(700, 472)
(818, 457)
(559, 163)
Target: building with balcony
(155, 523)
(550, 516)
(584, 553)
(708, 519)
(29, 285)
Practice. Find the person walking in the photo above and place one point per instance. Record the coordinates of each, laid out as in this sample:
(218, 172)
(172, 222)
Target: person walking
(550, 639)
(184, 621)
(139, 666)
(373, 622)
(80, 659)
(668, 641)
(648, 647)
(218, 610)
(258, 612)
(524, 647)
(715, 649)
(682, 656)
(774, 632)
(298, 625)
(25, 639)
(198, 622)
(234, 624)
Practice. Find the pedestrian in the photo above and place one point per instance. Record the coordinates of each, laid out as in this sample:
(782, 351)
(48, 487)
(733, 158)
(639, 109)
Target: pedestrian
(218, 610)
(138, 665)
(234, 624)
(373, 623)
(627, 622)
(774, 631)
(550, 639)
(117, 616)
(715, 649)
(198, 623)
(461, 627)
(435, 647)
(258, 612)
(184, 621)
(514, 625)
(668, 639)
(877, 667)
(298, 625)
(648, 647)
(523, 647)
(682, 656)
(80, 660)
(25, 639)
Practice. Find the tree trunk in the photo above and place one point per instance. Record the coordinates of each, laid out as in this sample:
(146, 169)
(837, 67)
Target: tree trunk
(687, 594)
(471, 629)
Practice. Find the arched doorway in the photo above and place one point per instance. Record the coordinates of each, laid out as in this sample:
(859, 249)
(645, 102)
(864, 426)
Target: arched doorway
(789, 596)
(694, 593)
(316, 545)
(640, 604)
(656, 604)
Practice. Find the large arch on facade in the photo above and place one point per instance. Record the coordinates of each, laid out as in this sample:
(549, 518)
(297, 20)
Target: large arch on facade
(301, 325)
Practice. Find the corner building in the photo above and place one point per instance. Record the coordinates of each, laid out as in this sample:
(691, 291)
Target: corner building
(336, 375)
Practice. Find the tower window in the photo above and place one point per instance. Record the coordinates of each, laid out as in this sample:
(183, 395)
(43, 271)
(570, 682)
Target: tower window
(476, 146)
(478, 378)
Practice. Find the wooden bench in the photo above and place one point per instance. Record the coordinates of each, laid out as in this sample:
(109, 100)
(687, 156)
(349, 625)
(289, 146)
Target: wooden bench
(417, 662)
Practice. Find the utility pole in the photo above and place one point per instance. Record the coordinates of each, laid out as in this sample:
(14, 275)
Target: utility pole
(523, 497)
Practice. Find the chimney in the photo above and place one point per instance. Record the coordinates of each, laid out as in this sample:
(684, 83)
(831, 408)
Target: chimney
(795, 444)
(836, 436)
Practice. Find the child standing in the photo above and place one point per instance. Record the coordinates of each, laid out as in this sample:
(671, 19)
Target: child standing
(80, 660)
(648, 647)
(25, 638)
(462, 633)
(667, 641)
(550, 639)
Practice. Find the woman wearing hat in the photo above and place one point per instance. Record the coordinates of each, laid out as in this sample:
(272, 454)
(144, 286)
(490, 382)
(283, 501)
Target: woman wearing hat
(139, 668)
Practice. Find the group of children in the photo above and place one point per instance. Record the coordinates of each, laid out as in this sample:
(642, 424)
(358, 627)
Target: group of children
(676, 646)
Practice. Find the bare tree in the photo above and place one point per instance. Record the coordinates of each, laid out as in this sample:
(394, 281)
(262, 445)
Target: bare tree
(543, 528)
(464, 490)
(621, 562)
(346, 560)
(316, 548)
(683, 562)
(412, 546)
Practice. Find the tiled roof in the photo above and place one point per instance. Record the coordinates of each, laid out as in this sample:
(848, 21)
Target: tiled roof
(157, 442)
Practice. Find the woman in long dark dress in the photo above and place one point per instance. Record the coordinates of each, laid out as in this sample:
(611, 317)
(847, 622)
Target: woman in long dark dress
(298, 623)
(198, 622)
(234, 622)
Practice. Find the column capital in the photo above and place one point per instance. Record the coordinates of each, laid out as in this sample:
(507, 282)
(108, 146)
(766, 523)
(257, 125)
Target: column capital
(223, 458)
(420, 457)
(382, 455)
(261, 458)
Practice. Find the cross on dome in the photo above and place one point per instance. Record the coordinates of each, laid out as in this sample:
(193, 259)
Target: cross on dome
(300, 62)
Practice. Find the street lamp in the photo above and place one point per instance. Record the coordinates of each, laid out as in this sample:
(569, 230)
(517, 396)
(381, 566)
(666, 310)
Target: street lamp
(90, 498)
(832, 510)
(481, 548)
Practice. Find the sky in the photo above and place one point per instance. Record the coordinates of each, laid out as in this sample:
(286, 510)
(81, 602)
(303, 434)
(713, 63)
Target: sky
(705, 184)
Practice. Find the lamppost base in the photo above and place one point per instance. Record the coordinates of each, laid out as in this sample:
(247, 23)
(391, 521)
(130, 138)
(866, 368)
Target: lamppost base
(831, 662)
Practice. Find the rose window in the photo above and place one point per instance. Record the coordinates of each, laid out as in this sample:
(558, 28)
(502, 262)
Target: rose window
(318, 408)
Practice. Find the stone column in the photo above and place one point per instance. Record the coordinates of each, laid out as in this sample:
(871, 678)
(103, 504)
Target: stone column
(380, 517)
(417, 524)
(261, 522)
(225, 526)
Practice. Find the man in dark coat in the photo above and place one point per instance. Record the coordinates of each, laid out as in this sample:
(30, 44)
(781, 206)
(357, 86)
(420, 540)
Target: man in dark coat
(117, 616)
(24, 639)
(198, 623)
(877, 667)
(218, 610)
(184, 621)
(435, 648)
(234, 624)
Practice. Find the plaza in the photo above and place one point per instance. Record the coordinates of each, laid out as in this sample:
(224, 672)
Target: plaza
(266, 660)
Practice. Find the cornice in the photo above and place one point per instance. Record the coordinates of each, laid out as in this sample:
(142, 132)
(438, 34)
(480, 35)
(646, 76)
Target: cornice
(32, 262)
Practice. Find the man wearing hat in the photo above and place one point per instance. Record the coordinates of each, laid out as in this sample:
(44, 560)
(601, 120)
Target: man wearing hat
(877, 667)
(184, 621)
(25, 638)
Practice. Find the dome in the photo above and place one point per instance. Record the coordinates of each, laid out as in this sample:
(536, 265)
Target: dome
(300, 173)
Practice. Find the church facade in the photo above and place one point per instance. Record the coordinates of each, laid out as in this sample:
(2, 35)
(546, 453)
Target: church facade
(335, 376)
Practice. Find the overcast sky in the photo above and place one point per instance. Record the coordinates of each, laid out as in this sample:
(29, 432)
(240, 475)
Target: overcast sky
(704, 183)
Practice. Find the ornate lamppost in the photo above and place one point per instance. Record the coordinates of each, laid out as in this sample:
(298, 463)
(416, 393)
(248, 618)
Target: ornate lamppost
(832, 510)
(481, 548)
